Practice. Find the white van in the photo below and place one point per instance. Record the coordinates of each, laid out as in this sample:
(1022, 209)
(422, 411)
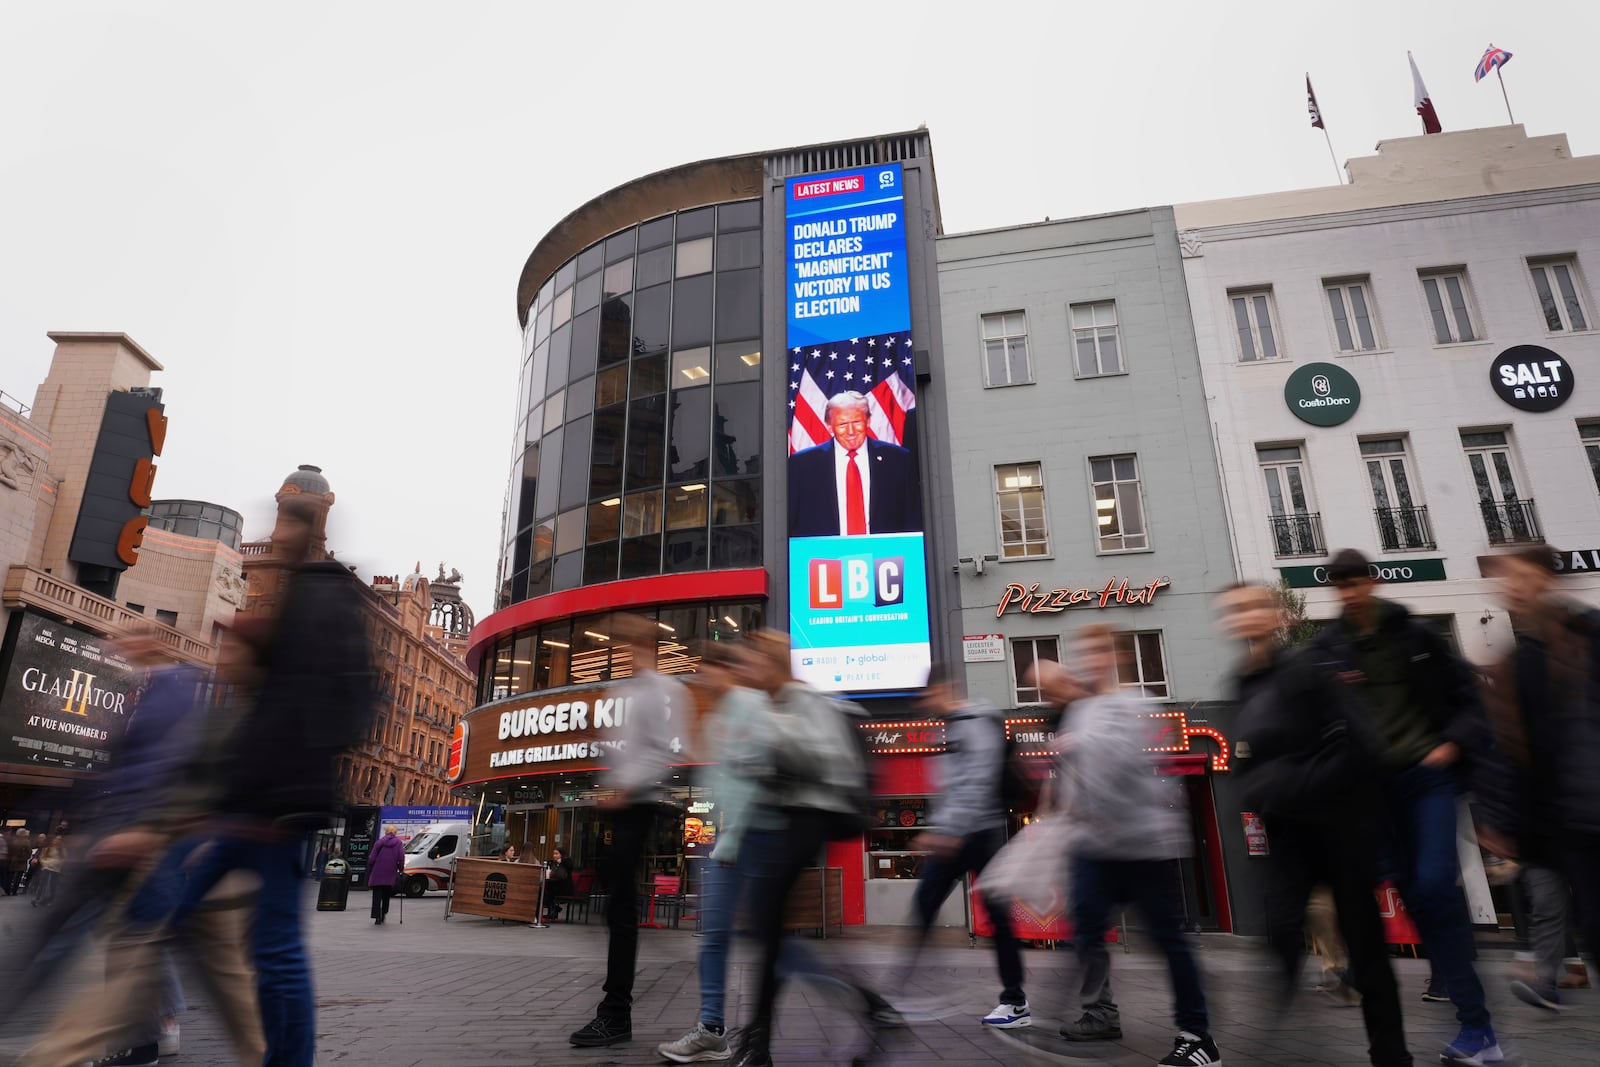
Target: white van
(431, 857)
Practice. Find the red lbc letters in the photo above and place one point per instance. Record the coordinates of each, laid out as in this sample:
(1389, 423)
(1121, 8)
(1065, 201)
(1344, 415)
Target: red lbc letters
(1031, 600)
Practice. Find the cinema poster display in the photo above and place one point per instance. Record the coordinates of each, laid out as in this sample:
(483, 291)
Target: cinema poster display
(858, 586)
(67, 696)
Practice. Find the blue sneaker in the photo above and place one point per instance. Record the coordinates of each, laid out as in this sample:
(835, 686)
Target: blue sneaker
(1473, 1047)
(1009, 1016)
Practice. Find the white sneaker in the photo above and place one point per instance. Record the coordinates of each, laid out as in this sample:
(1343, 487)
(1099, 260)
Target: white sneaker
(699, 1045)
(167, 1042)
(1009, 1016)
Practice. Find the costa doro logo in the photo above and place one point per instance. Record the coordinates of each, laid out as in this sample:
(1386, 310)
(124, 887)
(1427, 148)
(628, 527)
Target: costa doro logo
(1382, 572)
(1320, 386)
(1322, 394)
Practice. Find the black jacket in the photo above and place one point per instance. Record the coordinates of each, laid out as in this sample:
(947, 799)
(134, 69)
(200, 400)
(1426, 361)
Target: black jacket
(1442, 685)
(1303, 747)
(894, 504)
(316, 699)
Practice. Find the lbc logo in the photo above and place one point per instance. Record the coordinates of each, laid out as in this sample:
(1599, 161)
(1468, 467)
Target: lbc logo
(857, 581)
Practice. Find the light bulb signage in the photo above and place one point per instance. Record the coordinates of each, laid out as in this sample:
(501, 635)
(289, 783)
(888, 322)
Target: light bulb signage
(1531, 378)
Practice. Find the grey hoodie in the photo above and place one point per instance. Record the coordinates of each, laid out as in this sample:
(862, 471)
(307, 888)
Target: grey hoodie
(969, 772)
(659, 717)
(1120, 806)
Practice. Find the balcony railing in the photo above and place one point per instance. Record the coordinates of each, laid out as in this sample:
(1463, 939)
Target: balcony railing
(27, 586)
(1404, 529)
(1512, 522)
(1297, 535)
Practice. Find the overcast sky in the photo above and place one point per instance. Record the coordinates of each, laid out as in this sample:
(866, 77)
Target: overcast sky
(314, 214)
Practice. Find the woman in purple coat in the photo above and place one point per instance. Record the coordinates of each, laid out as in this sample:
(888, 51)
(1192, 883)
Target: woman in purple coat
(385, 864)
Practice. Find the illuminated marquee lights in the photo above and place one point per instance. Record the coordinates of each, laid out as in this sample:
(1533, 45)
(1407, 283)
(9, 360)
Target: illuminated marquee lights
(1167, 725)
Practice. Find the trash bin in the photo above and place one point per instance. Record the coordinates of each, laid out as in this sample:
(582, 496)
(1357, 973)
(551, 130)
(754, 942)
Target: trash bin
(334, 890)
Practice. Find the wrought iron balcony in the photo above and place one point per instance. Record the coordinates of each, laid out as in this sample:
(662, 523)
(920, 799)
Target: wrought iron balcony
(1404, 529)
(1512, 522)
(1297, 535)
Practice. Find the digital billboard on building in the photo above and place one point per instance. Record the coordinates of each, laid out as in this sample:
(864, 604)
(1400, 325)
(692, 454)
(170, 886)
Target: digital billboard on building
(857, 572)
(66, 696)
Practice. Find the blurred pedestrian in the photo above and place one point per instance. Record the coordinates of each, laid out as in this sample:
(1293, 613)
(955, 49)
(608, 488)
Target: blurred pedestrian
(966, 827)
(1322, 922)
(21, 851)
(320, 862)
(1309, 762)
(657, 711)
(1540, 803)
(51, 858)
(386, 864)
(1423, 703)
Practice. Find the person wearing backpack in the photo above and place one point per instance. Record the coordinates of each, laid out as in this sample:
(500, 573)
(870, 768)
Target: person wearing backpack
(1307, 761)
(966, 827)
(817, 790)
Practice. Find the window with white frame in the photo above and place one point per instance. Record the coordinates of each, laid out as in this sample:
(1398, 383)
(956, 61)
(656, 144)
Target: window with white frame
(1252, 318)
(1118, 503)
(1005, 349)
(1025, 653)
(1560, 294)
(1024, 528)
(1096, 344)
(1507, 517)
(1142, 665)
(1449, 306)
(1355, 328)
(1590, 433)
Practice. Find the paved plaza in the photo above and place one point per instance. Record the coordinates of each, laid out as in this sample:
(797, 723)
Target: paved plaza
(469, 992)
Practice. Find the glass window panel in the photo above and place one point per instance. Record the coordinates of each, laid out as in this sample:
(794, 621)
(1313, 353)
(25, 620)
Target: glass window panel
(210, 512)
(657, 232)
(566, 276)
(1480, 477)
(569, 531)
(1502, 474)
(1274, 491)
(600, 563)
(689, 449)
(736, 546)
(589, 259)
(554, 411)
(1458, 307)
(1402, 483)
(522, 658)
(1358, 308)
(653, 267)
(1297, 490)
(1110, 353)
(616, 330)
(529, 489)
(586, 294)
(994, 352)
(1125, 468)
(591, 649)
(1130, 510)
(738, 361)
(537, 371)
(546, 291)
(1483, 440)
(1441, 324)
(647, 424)
(579, 399)
(652, 320)
(696, 223)
(534, 582)
(641, 557)
(739, 303)
(1380, 487)
(1382, 447)
(522, 549)
(742, 215)
(575, 464)
(552, 655)
(619, 246)
(1341, 324)
(566, 574)
(1547, 299)
(561, 310)
(543, 543)
(685, 550)
(735, 502)
(736, 251)
(541, 324)
(649, 375)
(585, 343)
(686, 507)
(1269, 346)
(549, 475)
(560, 356)
(1100, 469)
(641, 513)
(1241, 321)
(1569, 296)
(691, 367)
(691, 312)
(694, 257)
(605, 521)
(611, 386)
(1086, 355)
(618, 279)
(736, 429)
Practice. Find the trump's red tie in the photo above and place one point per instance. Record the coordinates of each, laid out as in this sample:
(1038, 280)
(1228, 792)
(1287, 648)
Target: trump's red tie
(855, 501)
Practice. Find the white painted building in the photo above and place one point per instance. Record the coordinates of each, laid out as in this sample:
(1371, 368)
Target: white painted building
(1419, 280)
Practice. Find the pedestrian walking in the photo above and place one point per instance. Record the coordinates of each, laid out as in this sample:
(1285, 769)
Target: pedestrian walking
(657, 712)
(1310, 764)
(51, 859)
(386, 863)
(1423, 703)
(21, 848)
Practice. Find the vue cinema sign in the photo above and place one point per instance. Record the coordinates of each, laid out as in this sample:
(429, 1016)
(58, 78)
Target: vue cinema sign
(1531, 378)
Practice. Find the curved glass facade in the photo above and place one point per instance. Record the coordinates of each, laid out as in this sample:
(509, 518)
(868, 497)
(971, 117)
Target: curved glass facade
(638, 446)
(197, 518)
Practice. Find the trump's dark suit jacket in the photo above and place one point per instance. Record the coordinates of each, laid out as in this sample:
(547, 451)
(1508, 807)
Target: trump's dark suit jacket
(895, 505)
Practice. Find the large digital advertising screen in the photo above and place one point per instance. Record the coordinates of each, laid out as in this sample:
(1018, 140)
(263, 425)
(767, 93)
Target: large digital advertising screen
(858, 590)
(67, 696)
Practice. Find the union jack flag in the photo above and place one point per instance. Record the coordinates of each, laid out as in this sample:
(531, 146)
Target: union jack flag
(1492, 60)
(881, 368)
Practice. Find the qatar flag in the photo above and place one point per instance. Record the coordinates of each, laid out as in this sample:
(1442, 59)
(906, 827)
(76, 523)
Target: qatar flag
(1423, 102)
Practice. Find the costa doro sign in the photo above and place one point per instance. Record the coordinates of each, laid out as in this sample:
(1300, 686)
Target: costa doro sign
(1531, 378)
(1399, 572)
(1323, 394)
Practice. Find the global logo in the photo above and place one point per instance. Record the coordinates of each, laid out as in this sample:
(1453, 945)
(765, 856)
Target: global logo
(886, 179)
(495, 888)
(1320, 385)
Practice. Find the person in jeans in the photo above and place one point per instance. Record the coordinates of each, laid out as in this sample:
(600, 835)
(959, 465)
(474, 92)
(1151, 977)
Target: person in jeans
(1540, 801)
(1424, 705)
(1129, 832)
(1307, 761)
(732, 745)
(658, 711)
(966, 827)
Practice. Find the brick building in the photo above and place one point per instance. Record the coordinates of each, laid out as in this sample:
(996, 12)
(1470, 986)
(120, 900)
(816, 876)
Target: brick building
(415, 633)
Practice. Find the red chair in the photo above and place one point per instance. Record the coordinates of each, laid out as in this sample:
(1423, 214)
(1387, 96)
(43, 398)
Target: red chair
(666, 891)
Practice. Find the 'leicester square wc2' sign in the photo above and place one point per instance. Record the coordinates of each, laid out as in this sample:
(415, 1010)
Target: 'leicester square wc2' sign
(1531, 378)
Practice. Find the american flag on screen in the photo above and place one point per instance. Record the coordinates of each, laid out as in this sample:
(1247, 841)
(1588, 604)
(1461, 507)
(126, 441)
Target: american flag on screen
(881, 368)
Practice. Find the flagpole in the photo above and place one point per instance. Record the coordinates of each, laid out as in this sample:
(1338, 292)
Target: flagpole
(1337, 170)
(1501, 79)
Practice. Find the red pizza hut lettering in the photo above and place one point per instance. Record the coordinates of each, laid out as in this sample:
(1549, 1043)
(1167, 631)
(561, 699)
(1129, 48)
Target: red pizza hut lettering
(1034, 601)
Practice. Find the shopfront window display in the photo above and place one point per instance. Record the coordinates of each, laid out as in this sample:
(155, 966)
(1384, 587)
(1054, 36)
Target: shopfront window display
(897, 822)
